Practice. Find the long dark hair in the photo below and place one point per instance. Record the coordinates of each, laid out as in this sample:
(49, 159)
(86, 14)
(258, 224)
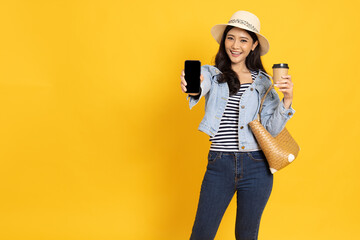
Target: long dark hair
(223, 63)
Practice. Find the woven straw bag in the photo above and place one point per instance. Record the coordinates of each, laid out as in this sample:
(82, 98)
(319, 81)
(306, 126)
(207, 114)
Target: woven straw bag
(281, 150)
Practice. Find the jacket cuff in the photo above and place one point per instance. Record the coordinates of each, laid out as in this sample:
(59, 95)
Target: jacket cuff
(288, 113)
(194, 99)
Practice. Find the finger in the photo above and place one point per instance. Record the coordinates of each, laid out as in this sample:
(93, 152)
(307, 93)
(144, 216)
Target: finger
(286, 85)
(286, 92)
(286, 89)
(284, 81)
(283, 85)
(183, 73)
(183, 81)
(183, 88)
(286, 76)
(201, 78)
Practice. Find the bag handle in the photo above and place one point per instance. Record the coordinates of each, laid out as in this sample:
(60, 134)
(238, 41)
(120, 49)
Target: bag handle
(262, 101)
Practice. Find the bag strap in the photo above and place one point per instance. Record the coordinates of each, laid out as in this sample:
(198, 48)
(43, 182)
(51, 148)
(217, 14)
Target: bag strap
(262, 101)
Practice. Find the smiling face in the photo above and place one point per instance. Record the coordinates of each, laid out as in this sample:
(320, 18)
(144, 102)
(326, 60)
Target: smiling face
(238, 44)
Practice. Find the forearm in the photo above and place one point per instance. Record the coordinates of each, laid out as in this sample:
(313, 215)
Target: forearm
(275, 115)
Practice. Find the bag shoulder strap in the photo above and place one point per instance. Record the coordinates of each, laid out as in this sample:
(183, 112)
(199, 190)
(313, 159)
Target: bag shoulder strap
(262, 101)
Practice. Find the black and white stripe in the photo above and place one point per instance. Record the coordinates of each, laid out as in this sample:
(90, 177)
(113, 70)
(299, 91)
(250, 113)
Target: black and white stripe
(226, 139)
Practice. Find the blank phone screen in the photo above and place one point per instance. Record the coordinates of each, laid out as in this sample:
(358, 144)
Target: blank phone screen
(192, 76)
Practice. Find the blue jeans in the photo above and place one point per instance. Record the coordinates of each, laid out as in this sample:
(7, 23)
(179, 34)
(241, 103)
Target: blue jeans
(247, 174)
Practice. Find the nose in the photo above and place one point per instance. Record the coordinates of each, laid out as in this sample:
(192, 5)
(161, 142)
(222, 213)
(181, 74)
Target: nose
(236, 44)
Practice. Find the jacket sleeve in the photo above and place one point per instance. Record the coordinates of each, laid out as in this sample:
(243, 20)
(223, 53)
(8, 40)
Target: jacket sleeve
(205, 87)
(274, 115)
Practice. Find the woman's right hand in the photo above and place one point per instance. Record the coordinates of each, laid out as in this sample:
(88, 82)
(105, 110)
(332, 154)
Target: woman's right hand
(183, 83)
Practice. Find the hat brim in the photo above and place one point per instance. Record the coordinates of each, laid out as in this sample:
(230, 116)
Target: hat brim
(218, 30)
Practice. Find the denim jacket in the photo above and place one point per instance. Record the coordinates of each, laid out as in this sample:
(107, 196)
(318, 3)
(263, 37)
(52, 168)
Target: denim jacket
(273, 115)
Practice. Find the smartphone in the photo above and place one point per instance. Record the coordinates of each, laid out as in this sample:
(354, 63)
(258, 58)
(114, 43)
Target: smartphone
(192, 76)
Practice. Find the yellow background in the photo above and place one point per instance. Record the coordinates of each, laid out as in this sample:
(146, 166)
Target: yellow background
(97, 139)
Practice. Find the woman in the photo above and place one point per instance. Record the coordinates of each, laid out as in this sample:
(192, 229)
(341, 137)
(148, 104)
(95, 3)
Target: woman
(233, 89)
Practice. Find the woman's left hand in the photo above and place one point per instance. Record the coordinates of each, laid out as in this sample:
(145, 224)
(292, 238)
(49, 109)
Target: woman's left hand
(286, 87)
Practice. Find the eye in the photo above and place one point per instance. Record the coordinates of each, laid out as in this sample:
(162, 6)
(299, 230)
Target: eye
(230, 38)
(243, 40)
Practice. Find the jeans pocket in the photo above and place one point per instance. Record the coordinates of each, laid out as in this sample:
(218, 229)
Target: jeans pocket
(213, 156)
(257, 156)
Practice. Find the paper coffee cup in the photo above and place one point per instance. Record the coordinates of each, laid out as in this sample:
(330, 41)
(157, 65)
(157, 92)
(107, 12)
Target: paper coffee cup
(280, 69)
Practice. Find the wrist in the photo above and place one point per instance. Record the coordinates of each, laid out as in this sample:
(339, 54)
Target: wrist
(287, 102)
(195, 94)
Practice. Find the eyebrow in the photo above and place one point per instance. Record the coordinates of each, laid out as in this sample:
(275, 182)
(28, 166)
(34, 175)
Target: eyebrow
(234, 36)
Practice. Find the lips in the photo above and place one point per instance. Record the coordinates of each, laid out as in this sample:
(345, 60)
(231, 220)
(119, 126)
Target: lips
(235, 53)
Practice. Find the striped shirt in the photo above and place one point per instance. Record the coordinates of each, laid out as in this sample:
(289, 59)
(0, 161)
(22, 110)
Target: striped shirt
(226, 139)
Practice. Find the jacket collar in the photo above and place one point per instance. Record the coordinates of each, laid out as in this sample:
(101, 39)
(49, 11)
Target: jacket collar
(262, 82)
(215, 71)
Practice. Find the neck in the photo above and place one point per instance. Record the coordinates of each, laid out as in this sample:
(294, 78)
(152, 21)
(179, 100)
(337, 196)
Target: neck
(240, 67)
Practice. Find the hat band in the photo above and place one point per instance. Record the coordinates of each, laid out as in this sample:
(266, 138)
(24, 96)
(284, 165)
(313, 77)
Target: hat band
(246, 23)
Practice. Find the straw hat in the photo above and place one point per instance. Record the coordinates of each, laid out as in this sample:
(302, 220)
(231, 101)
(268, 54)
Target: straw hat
(244, 20)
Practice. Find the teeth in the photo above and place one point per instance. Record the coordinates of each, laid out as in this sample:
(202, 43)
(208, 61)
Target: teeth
(235, 52)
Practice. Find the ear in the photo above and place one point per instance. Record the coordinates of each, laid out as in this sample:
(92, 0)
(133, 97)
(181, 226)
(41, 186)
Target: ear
(255, 44)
